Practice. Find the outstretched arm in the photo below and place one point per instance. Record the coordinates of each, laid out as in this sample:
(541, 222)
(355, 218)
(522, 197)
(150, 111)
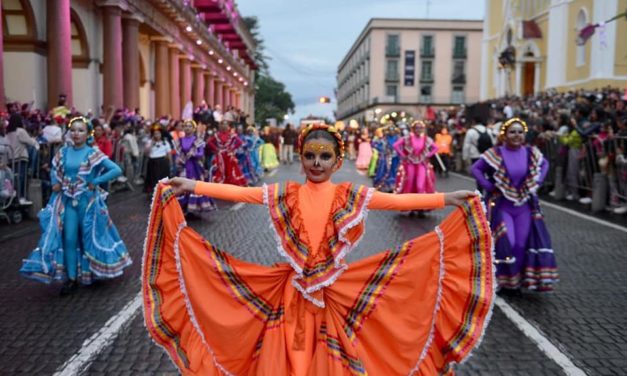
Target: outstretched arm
(226, 192)
(417, 201)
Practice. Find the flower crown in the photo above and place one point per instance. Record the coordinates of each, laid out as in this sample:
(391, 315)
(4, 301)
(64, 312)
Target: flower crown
(329, 128)
(156, 126)
(190, 121)
(81, 119)
(509, 123)
(418, 123)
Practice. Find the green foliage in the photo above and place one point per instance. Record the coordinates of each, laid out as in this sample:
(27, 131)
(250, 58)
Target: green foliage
(271, 100)
(252, 23)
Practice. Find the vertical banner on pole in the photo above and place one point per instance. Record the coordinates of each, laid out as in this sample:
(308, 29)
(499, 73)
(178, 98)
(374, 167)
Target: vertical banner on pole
(410, 67)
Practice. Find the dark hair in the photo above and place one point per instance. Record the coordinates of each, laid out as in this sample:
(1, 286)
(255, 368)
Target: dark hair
(15, 122)
(318, 134)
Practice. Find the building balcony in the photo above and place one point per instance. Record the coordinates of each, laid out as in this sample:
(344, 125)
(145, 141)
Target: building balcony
(392, 77)
(459, 53)
(426, 79)
(427, 52)
(426, 99)
(392, 51)
(459, 79)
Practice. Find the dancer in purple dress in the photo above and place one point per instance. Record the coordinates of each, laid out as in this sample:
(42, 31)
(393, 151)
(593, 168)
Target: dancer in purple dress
(189, 162)
(511, 173)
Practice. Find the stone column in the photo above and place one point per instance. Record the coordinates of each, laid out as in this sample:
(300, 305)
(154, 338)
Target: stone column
(130, 53)
(186, 81)
(198, 84)
(225, 95)
(112, 75)
(217, 92)
(175, 79)
(59, 59)
(162, 78)
(209, 88)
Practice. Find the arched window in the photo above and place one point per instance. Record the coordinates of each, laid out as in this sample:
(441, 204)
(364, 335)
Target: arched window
(19, 28)
(582, 21)
(80, 47)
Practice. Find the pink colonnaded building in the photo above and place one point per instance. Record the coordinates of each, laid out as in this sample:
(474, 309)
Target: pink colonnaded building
(151, 55)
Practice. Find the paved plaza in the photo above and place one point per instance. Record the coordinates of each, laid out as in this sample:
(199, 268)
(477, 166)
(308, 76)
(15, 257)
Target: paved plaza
(584, 320)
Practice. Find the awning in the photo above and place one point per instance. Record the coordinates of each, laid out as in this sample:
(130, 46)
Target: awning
(531, 30)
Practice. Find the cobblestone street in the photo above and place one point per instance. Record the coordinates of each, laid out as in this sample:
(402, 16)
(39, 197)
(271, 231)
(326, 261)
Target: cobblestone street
(584, 318)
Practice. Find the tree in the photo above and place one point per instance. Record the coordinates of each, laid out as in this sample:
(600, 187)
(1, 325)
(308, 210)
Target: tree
(260, 58)
(271, 99)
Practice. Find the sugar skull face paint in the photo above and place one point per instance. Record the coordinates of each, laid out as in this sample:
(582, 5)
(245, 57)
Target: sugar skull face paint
(319, 160)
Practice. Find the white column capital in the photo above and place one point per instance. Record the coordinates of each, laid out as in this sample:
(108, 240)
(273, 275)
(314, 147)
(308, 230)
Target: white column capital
(121, 4)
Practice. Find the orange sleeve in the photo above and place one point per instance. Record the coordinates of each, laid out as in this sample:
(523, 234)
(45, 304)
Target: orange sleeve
(407, 201)
(230, 192)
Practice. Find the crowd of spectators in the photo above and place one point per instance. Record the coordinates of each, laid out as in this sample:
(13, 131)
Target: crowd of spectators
(30, 137)
(582, 133)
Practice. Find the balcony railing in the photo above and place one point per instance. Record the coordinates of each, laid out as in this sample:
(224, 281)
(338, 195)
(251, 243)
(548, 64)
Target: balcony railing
(392, 77)
(392, 51)
(459, 53)
(427, 52)
(459, 79)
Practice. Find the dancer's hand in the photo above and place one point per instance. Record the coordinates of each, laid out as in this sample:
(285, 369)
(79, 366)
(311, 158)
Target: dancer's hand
(458, 197)
(56, 187)
(180, 185)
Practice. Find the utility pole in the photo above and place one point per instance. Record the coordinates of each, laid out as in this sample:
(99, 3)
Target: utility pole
(428, 7)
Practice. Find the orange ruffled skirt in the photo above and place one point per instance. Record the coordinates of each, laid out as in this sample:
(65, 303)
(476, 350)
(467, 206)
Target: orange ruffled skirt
(409, 310)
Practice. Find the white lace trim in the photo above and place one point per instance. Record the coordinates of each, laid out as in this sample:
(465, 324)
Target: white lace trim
(540, 250)
(339, 266)
(436, 307)
(492, 266)
(188, 303)
(297, 286)
(144, 284)
(277, 237)
(94, 237)
(362, 216)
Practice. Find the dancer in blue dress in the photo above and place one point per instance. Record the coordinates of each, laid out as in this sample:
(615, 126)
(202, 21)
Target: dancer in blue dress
(243, 157)
(255, 145)
(386, 182)
(79, 242)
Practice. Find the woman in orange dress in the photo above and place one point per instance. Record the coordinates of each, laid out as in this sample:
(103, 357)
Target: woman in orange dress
(412, 309)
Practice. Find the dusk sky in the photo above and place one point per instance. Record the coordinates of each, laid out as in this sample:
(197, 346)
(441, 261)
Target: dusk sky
(306, 40)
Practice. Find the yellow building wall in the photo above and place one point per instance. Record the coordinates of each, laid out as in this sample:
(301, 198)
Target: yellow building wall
(494, 12)
(620, 58)
(573, 72)
(543, 23)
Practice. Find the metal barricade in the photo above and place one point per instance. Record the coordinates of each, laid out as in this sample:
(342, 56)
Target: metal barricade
(8, 193)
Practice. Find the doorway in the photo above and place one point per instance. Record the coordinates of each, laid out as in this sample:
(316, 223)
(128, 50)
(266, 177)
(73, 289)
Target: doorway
(529, 74)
